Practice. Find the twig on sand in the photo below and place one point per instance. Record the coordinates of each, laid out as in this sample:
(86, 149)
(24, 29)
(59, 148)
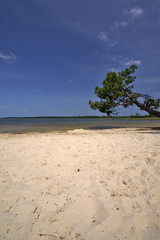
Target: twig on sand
(45, 234)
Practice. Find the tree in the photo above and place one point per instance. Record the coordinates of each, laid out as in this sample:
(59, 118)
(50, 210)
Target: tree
(117, 90)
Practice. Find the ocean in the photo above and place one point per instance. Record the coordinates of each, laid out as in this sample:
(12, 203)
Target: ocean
(22, 125)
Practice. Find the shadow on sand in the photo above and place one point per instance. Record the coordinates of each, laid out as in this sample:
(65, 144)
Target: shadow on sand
(153, 130)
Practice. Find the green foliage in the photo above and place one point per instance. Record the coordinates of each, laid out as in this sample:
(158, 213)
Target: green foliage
(117, 89)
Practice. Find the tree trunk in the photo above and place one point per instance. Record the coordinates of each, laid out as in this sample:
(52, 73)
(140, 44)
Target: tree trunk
(149, 110)
(142, 106)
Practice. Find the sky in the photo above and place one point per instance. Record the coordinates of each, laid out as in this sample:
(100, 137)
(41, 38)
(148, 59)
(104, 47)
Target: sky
(53, 53)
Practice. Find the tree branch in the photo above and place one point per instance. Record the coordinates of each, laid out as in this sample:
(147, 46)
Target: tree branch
(143, 106)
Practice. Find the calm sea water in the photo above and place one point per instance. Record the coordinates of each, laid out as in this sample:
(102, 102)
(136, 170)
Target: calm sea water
(21, 125)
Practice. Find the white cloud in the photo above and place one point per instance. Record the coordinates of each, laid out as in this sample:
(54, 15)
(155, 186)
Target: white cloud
(114, 70)
(130, 62)
(24, 110)
(114, 43)
(131, 14)
(121, 24)
(126, 61)
(7, 57)
(2, 107)
(135, 12)
(103, 36)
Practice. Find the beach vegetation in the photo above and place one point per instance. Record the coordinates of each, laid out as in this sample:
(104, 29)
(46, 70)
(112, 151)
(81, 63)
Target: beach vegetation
(117, 90)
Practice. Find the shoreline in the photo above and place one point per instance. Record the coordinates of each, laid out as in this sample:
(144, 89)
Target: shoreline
(49, 125)
(94, 128)
(80, 184)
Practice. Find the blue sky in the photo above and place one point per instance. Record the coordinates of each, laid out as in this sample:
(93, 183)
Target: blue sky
(54, 52)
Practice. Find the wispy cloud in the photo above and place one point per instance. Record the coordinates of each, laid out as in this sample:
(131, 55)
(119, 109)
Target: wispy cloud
(2, 107)
(131, 14)
(114, 70)
(103, 36)
(121, 24)
(7, 58)
(24, 77)
(130, 62)
(126, 61)
(114, 43)
(135, 12)
(78, 16)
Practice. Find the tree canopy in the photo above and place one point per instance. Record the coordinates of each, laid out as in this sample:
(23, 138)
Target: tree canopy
(117, 90)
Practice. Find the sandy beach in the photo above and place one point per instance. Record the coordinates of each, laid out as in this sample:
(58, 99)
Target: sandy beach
(80, 184)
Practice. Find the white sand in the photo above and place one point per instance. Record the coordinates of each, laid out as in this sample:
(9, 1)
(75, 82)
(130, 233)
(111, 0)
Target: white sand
(81, 184)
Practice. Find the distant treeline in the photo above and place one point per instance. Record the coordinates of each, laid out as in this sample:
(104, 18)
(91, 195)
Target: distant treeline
(136, 116)
(55, 117)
